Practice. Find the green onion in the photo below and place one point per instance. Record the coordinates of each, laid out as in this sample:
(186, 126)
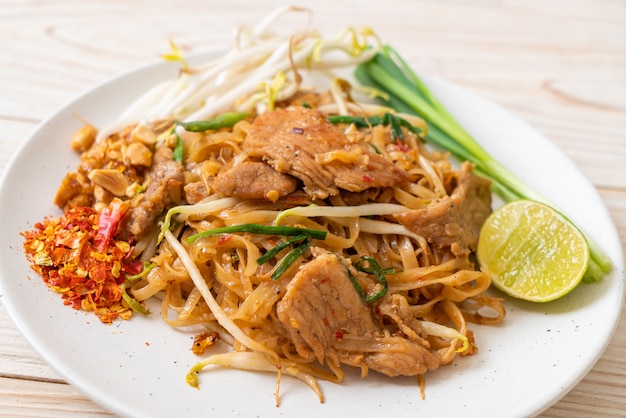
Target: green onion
(405, 92)
(225, 120)
(358, 121)
(375, 269)
(395, 122)
(178, 149)
(396, 129)
(378, 272)
(291, 258)
(278, 248)
(260, 229)
(376, 150)
(301, 235)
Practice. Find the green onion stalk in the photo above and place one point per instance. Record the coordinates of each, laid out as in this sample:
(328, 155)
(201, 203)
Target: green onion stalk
(225, 120)
(404, 91)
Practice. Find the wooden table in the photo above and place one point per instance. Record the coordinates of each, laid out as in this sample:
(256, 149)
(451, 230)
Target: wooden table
(558, 64)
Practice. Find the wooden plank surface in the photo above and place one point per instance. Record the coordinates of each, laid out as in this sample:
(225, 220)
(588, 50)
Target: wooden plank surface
(560, 65)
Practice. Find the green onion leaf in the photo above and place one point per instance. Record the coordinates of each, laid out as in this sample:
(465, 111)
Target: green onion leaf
(375, 269)
(260, 229)
(396, 128)
(278, 248)
(376, 150)
(225, 120)
(358, 121)
(378, 272)
(405, 92)
(394, 121)
(291, 258)
(178, 149)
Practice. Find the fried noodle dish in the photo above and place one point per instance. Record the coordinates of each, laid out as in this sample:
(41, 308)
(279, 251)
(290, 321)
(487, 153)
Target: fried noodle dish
(304, 227)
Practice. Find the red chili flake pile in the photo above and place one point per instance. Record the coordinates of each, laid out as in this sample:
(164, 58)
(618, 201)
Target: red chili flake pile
(79, 257)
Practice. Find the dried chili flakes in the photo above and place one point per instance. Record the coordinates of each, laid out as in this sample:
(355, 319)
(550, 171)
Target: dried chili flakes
(78, 256)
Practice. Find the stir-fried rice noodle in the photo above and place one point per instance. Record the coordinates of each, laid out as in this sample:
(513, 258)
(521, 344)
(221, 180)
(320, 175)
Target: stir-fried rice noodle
(390, 287)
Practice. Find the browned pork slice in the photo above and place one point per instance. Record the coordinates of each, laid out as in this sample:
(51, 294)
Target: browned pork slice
(327, 321)
(454, 221)
(164, 180)
(195, 192)
(290, 140)
(254, 180)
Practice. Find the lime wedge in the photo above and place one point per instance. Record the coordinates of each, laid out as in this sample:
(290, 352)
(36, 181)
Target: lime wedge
(532, 252)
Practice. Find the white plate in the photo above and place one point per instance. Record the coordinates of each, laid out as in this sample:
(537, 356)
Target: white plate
(137, 368)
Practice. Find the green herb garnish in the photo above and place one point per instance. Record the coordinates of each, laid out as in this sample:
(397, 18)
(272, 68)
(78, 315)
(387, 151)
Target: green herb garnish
(225, 120)
(375, 269)
(278, 248)
(302, 236)
(291, 257)
(395, 122)
(260, 229)
(407, 93)
(178, 149)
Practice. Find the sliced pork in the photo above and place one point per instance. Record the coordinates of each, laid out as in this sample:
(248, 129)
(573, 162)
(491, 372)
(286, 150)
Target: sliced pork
(255, 181)
(327, 321)
(454, 221)
(164, 186)
(300, 142)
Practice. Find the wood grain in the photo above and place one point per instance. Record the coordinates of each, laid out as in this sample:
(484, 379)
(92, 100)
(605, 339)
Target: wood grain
(559, 65)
